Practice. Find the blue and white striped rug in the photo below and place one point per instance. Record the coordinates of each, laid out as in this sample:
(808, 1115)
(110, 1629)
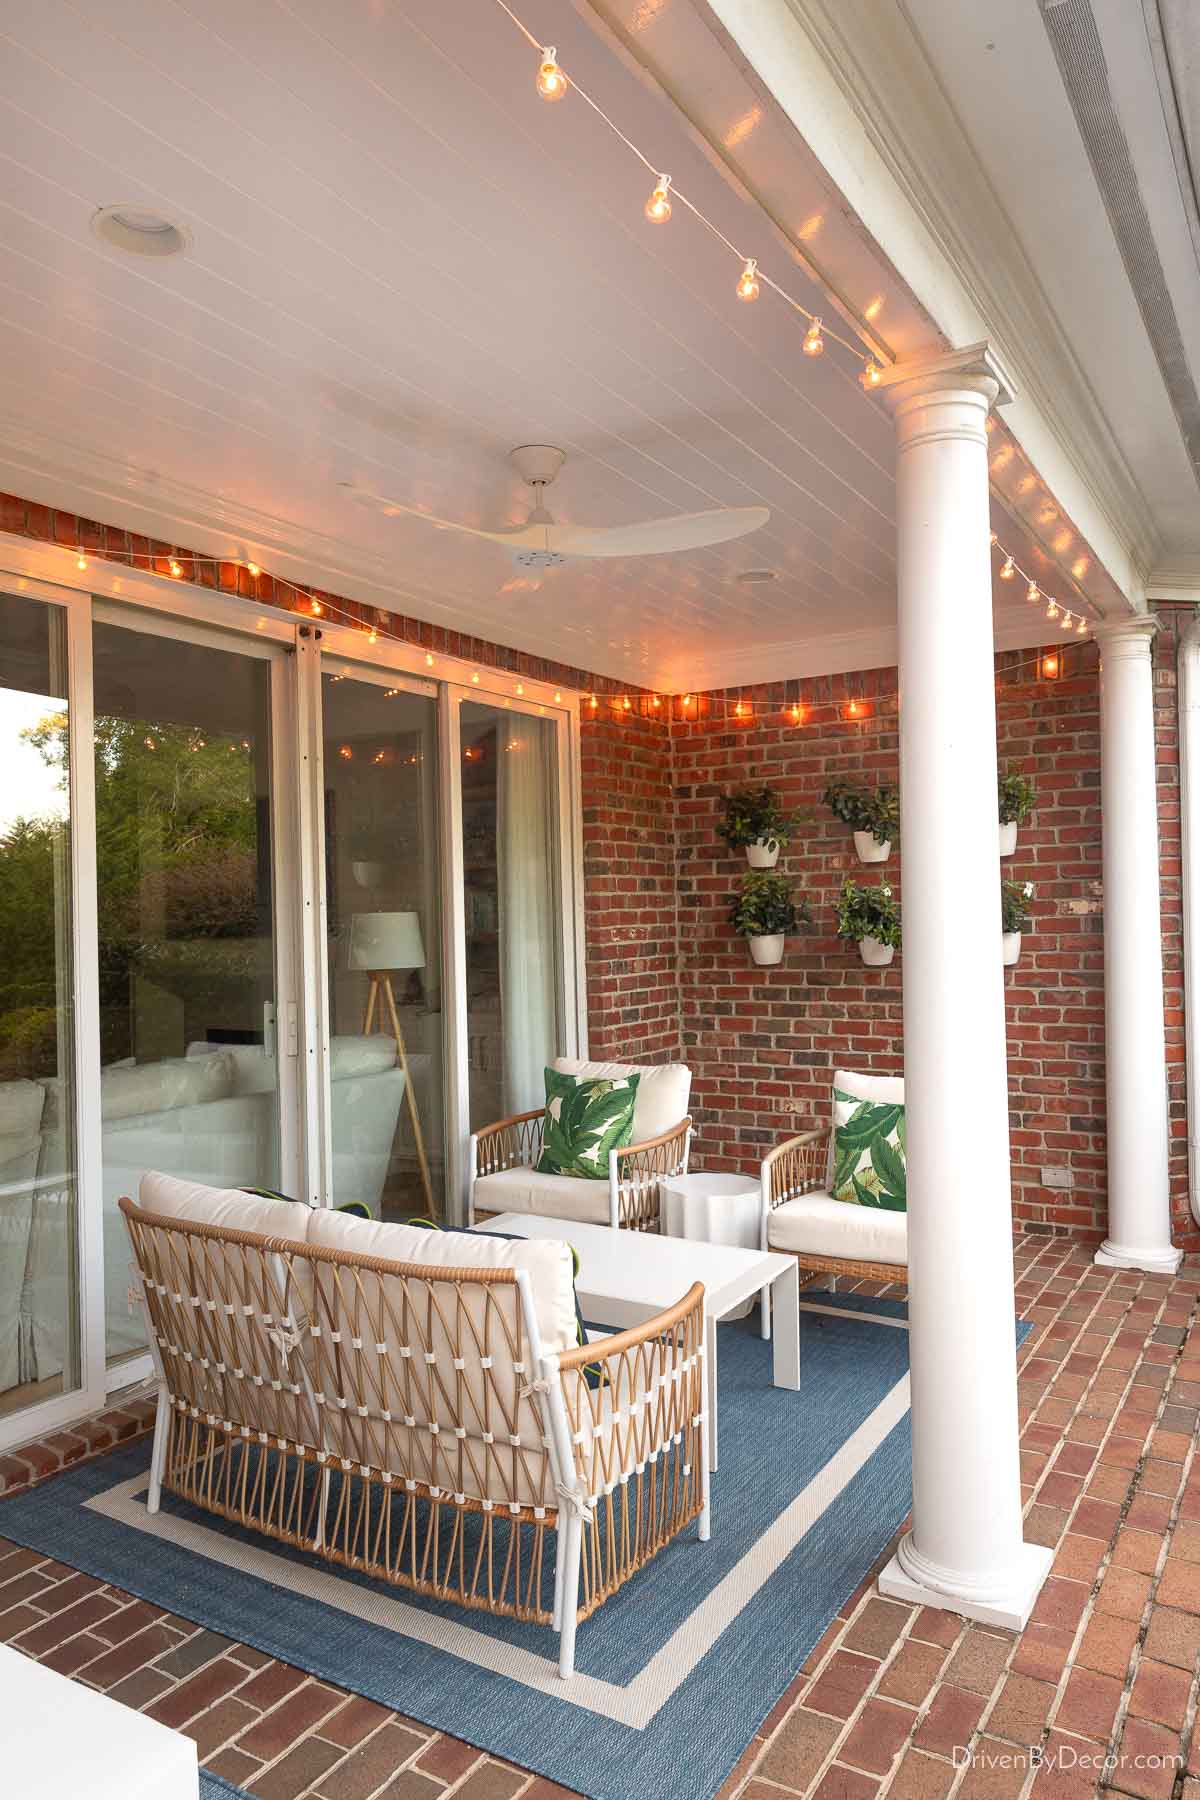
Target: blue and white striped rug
(674, 1674)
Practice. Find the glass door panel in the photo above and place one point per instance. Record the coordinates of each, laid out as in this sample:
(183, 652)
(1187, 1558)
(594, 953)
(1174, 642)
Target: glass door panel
(184, 851)
(512, 888)
(384, 922)
(39, 1202)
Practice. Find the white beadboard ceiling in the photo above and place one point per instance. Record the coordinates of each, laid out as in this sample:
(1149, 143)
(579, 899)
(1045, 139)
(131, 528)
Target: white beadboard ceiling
(403, 264)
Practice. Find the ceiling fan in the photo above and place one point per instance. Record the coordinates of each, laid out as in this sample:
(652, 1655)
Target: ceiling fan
(542, 544)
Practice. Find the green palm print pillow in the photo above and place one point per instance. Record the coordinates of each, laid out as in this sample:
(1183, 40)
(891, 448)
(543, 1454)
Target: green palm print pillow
(586, 1117)
(868, 1153)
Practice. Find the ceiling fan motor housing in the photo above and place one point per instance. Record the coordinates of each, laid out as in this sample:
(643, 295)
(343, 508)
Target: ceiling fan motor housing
(537, 464)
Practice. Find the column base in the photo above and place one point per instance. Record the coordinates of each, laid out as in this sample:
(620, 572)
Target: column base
(1152, 1262)
(1008, 1606)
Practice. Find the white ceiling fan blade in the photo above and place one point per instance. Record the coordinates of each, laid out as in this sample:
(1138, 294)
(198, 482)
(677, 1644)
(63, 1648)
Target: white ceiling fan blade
(519, 535)
(685, 531)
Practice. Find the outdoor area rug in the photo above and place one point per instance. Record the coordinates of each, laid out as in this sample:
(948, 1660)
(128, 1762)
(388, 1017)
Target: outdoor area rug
(674, 1674)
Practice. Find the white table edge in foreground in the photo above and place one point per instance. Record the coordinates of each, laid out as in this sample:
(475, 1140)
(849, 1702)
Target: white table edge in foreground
(761, 1269)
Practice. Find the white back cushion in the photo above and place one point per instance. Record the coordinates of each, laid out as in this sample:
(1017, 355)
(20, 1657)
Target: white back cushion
(131, 1091)
(197, 1204)
(662, 1094)
(547, 1261)
(888, 1090)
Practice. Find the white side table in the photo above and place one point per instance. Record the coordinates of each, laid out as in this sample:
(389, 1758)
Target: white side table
(715, 1209)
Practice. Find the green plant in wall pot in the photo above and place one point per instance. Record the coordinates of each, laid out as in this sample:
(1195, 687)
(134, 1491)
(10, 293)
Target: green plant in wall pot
(1017, 797)
(1014, 916)
(756, 822)
(764, 911)
(873, 815)
(870, 918)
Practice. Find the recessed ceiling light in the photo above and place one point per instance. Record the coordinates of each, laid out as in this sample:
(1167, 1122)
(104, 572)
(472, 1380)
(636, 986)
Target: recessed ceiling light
(140, 231)
(751, 576)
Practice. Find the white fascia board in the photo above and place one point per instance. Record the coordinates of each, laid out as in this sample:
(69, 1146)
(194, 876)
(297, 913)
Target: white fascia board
(793, 64)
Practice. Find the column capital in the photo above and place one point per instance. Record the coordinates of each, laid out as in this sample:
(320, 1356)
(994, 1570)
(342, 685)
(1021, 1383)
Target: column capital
(975, 368)
(1129, 637)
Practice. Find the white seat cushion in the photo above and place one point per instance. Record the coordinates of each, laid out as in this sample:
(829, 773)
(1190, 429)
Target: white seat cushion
(662, 1095)
(819, 1225)
(551, 1196)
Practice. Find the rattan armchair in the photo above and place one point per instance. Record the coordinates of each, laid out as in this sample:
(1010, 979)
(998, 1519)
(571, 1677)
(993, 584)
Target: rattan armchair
(634, 1173)
(406, 1422)
(800, 1217)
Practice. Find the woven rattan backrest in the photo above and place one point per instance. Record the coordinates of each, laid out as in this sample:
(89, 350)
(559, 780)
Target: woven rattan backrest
(425, 1374)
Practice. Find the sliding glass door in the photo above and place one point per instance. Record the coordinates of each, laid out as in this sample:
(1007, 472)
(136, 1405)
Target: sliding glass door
(40, 1314)
(187, 945)
(383, 924)
(281, 907)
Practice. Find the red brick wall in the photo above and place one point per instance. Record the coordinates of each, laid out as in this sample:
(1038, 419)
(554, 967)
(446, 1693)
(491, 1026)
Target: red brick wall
(763, 1043)
(629, 887)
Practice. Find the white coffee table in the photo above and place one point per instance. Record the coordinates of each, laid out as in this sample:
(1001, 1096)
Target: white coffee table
(628, 1276)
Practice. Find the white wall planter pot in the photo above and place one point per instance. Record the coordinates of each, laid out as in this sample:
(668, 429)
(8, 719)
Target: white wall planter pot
(1010, 945)
(870, 849)
(875, 954)
(763, 853)
(767, 949)
(1008, 837)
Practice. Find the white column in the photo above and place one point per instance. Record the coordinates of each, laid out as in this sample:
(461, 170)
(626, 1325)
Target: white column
(965, 1551)
(1139, 1214)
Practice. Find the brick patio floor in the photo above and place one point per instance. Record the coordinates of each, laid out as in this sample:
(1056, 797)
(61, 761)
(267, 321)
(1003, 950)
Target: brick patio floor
(1108, 1667)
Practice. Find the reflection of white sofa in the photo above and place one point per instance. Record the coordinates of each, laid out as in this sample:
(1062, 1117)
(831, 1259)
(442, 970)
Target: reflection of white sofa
(211, 1117)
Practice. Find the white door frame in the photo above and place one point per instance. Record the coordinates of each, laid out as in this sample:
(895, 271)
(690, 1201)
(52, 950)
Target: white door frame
(89, 1396)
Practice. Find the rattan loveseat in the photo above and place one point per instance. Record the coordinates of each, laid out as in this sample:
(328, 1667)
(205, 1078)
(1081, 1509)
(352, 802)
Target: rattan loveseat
(414, 1404)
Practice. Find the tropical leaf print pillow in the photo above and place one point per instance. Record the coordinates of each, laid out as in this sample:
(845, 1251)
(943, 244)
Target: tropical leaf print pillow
(869, 1153)
(586, 1117)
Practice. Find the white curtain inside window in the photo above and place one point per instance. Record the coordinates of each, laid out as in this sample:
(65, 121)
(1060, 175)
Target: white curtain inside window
(525, 832)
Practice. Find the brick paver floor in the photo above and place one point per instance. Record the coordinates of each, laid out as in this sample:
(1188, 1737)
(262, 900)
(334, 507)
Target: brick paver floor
(1098, 1694)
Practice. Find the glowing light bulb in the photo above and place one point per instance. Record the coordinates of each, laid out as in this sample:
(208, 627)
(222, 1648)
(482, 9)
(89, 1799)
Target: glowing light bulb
(475, 679)
(1066, 621)
(993, 537)
(1052, 610)
(737, 711)
(81, 561)
(852, 709)
(1033, 591)
(627, 704)
(552, 84)
(558, 696)
(655, 702)
(253, 569)
(814, 343)
(150, 743)
(345, 752)
(871, 374)
(687, 699)
(520, 689)
(429, 662)
(658, 206)
(747, 287)
(797, 713)
(1007, 569)
(1081, 628)
(373, 635)
(315, 607)
(593, 702)
(1050, 667)
(175, 567)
